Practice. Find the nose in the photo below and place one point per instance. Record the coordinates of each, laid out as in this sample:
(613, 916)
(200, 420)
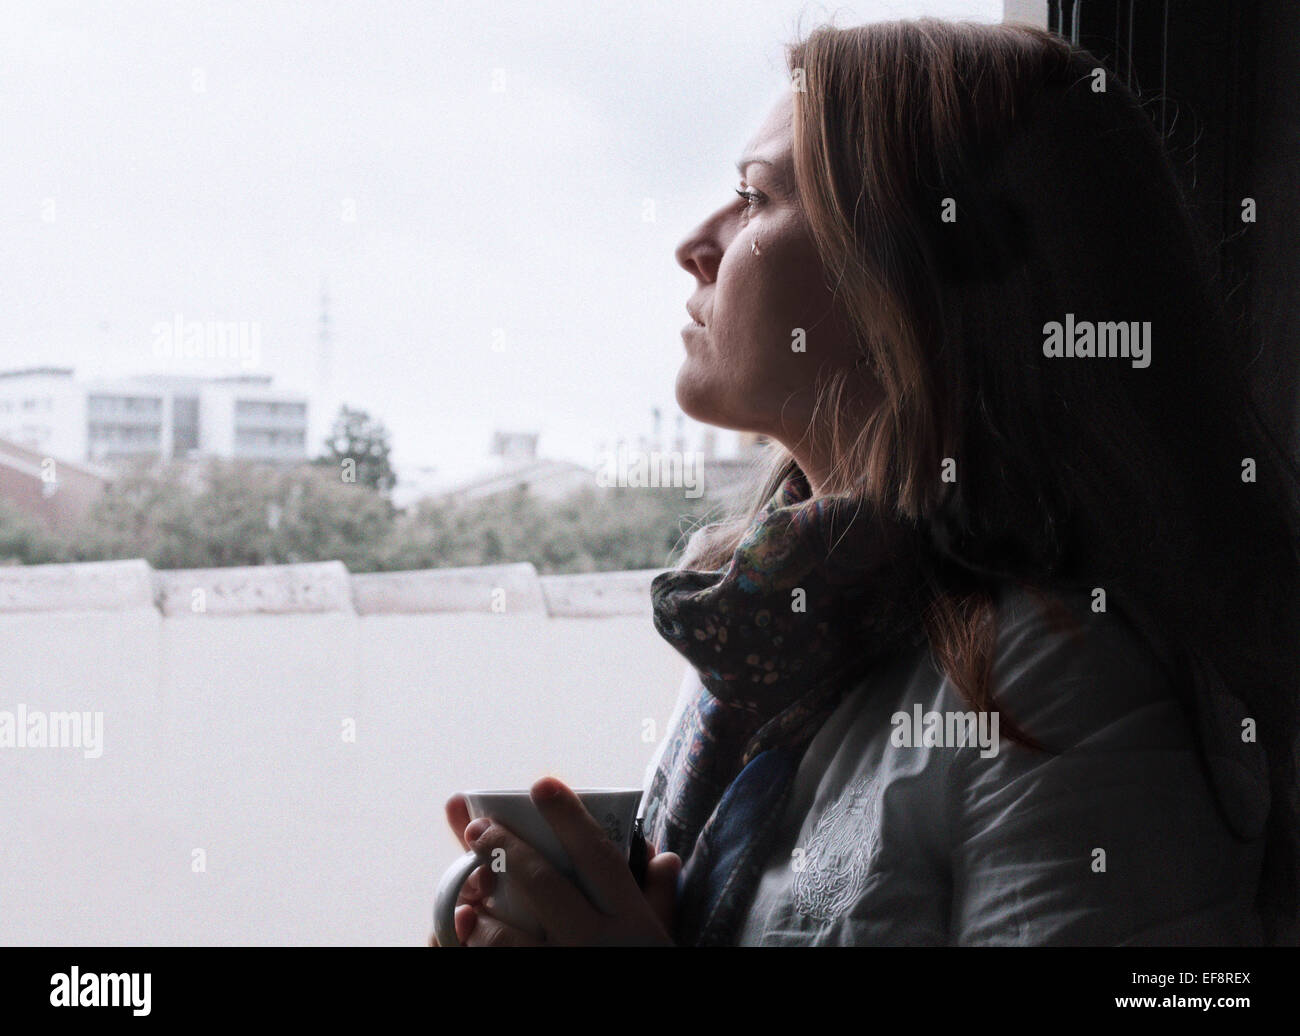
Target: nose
(700, 252)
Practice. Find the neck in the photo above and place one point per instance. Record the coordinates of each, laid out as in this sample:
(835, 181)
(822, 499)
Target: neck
(811, 445)
(816, 464)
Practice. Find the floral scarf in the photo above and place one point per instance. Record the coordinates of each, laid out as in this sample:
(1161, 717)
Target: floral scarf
(817, 594)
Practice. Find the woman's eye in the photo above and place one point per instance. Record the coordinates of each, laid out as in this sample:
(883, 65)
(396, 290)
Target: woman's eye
(751, 197)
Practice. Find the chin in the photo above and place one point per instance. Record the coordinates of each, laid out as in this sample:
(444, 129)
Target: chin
(693, 396)
(702, 406)
(705, 399)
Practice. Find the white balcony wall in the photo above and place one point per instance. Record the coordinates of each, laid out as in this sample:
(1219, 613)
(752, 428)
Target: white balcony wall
(224, 731)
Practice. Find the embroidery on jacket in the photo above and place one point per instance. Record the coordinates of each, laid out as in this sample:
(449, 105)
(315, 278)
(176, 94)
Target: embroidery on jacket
(838, 856)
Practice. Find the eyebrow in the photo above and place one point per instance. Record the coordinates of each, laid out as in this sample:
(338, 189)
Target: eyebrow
(779, 176)
(748, 160)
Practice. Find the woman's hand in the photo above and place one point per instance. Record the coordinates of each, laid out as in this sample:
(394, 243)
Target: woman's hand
(637, 917)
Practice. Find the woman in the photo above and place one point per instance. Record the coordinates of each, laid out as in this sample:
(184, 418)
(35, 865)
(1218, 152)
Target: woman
(1004, 649)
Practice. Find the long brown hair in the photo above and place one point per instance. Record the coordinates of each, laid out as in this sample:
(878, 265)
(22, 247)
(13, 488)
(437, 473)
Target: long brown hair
(1070, 472)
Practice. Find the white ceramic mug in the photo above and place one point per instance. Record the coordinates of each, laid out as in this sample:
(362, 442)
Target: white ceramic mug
(614, 808)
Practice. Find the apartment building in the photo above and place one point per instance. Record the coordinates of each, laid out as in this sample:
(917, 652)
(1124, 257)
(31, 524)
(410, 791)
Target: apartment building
(51, 411)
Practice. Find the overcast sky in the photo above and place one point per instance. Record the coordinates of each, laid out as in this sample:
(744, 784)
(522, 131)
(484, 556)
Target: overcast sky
(471, 179)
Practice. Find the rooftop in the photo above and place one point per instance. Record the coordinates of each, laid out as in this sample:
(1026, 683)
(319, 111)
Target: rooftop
(31, 372)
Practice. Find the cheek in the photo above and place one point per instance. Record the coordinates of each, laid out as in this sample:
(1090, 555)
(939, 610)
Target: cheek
(742, 372)
(740, 295)
(799, 308)
(763, 296)
(795, 289)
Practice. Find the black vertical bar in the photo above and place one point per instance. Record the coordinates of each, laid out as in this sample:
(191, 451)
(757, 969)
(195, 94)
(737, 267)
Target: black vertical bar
(1130, 43)
(1164, 68)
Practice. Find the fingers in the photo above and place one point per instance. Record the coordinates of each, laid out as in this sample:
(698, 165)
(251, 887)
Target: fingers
(596, 858)
(457, 810)
(465, 918)
(479, 928)
(661, 887)
(480, 883)
(487, 931)
(463, 915)
(478, 886)
(561, 909)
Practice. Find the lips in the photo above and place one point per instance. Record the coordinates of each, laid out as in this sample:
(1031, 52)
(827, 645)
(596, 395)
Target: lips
(695, 319)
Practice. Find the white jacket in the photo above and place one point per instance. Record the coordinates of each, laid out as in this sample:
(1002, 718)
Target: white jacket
(1120, 838)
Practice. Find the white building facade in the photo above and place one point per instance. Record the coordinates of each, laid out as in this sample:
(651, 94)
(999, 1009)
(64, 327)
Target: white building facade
(166, 417)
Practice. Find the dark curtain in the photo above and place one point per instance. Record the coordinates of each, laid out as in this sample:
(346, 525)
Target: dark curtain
(1222, 80)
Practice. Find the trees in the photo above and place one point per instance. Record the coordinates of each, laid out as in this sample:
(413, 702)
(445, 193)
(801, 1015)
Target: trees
(25, 541)
(235, 513)
(593, 530)
(358, 449)
(228, 512)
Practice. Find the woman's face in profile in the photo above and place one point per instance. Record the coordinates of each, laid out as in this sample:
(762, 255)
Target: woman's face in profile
(759, 283)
